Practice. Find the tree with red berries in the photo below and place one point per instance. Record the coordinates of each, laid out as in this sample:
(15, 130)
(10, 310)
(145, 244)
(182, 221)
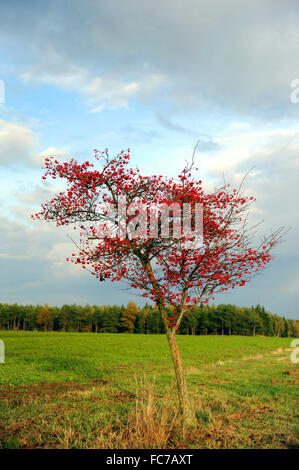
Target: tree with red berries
(167, 266)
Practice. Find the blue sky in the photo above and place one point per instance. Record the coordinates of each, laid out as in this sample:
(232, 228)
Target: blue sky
(156, 77)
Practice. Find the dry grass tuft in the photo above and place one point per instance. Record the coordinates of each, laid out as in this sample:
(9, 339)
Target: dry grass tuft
(152, 422)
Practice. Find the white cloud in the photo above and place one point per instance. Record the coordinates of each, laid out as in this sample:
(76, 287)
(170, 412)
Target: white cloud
(97, 109)
(38, 241)
(17, 143)
(50, 152)
(57, 256)
(99, 91)
(12, 256)
(220, 55)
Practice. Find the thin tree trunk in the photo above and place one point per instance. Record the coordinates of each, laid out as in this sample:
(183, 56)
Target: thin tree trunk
(185, 408)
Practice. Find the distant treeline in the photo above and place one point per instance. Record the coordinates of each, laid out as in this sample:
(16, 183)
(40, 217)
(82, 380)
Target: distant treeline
(201, 320)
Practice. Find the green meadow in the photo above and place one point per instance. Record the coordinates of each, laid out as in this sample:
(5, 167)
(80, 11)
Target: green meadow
(87, 390)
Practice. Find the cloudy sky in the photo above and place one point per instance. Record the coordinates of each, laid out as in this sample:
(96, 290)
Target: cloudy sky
(155, 76)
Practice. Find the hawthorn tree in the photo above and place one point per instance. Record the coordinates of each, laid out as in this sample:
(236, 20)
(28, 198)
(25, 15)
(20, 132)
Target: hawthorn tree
(162, 266)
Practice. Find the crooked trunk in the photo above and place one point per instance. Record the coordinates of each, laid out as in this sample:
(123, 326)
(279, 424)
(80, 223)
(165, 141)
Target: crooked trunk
(185, 408)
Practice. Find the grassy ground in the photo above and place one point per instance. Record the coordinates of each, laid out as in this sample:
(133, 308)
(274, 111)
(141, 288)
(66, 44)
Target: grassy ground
(69, 390)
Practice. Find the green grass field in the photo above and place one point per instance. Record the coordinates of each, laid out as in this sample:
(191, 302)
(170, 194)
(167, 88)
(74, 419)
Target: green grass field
(82, 390)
